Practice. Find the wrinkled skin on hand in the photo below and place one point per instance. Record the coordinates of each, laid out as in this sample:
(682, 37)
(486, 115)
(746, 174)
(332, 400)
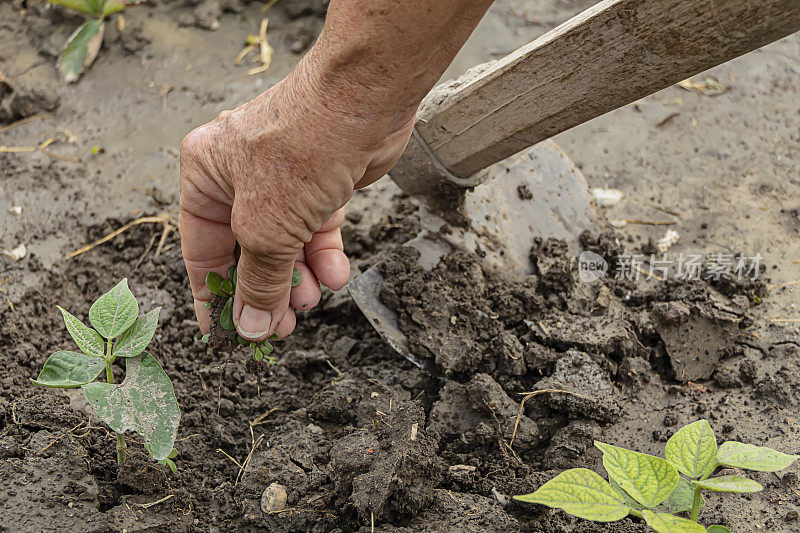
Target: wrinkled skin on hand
(274, 176)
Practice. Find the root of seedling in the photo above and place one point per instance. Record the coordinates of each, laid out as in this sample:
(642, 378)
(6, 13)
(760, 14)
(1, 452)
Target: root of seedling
(259, 42)
(527, 396)
(149, 505)
(68, 432)
(246, 462)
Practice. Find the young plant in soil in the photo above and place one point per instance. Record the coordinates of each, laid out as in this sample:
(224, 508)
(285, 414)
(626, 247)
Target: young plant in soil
(84, 44)
(652, 488)
(145, 400)
(224, 289)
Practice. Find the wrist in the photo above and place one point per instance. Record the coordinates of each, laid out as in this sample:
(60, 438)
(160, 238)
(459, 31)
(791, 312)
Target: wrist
(347, 100)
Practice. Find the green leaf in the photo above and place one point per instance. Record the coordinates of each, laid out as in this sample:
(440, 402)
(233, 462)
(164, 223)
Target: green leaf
(214, 284)
(666, 523)
(113, 6)
(95, 6)
(226, 318)
(232, 276)
(144, 402)
(81, 49)
(749, 457)
(582, 493)
(737, 484)
(625, 497)
(693, 450)
(227, 286)
(69, 370)
(115, 311)
(257, 355)
(297, 277)
(266, 347)
(205, 338)
(171, 464)
(717, 529)
(648, 479)
(78, 5)
(87, 339)
(242, 341)
(680, 499)
(173, 454)
(138, 336)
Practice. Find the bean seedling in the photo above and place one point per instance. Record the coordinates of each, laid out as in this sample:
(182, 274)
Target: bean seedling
(226, 288)
(652, 488)
(84, 44)
(145, 400)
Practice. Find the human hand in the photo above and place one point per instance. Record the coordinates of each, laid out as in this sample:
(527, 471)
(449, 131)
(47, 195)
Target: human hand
(273, 176)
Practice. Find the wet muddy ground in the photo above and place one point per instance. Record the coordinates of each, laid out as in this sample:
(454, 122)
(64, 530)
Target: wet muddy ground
(351, 432)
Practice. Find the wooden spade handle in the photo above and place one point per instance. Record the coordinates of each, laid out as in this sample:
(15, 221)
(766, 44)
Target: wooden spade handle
(606, 57)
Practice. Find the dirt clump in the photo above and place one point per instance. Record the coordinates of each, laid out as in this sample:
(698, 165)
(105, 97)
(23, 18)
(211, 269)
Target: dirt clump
(30, 93)
(684, 331)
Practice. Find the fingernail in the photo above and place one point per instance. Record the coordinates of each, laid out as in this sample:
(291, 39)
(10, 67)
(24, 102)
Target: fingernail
(254, 323)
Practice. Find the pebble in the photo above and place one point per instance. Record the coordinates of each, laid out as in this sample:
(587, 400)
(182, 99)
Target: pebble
(606, 197)
(274, 498)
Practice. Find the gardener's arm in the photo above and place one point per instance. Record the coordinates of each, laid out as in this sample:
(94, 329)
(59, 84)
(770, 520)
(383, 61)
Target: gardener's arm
(275, 173)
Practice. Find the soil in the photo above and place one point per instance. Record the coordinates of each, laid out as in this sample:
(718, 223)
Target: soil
(350, 433)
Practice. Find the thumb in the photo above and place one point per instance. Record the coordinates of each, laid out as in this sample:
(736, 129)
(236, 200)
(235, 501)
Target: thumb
(263, 286)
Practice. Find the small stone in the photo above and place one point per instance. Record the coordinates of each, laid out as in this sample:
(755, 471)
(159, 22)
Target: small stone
(502, 499)
(17, 253)
(791, 516)
(607, 197)
(741, 301)
(274, 498)
(461, 469)
(672, 313)
(670, 419)
(748, 371)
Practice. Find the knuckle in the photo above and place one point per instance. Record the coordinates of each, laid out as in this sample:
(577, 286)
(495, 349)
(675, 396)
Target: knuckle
(261, 292)
(262, 284)
(223, 117)
(194, 142)
(268, 238)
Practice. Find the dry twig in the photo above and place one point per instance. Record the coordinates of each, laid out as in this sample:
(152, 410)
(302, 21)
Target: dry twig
(41, 148)
(22, 121)
(782, 285)
(160, 219)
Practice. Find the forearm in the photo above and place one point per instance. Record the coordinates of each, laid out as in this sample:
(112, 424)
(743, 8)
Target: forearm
(380, 57)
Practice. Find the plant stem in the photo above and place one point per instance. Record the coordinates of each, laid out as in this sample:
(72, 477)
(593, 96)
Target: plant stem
(110, 379)
(120, 448)
(696, 504)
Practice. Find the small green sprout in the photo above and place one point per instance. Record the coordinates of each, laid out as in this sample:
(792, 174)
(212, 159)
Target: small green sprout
(145, 400)
(169, 460)
(226, 288)
(84, 44)
(652, 488)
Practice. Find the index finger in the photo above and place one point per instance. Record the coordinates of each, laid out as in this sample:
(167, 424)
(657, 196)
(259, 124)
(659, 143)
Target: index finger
(207, 244)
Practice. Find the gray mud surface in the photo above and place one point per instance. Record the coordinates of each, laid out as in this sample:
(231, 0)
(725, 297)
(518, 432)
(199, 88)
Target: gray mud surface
(349, 432)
